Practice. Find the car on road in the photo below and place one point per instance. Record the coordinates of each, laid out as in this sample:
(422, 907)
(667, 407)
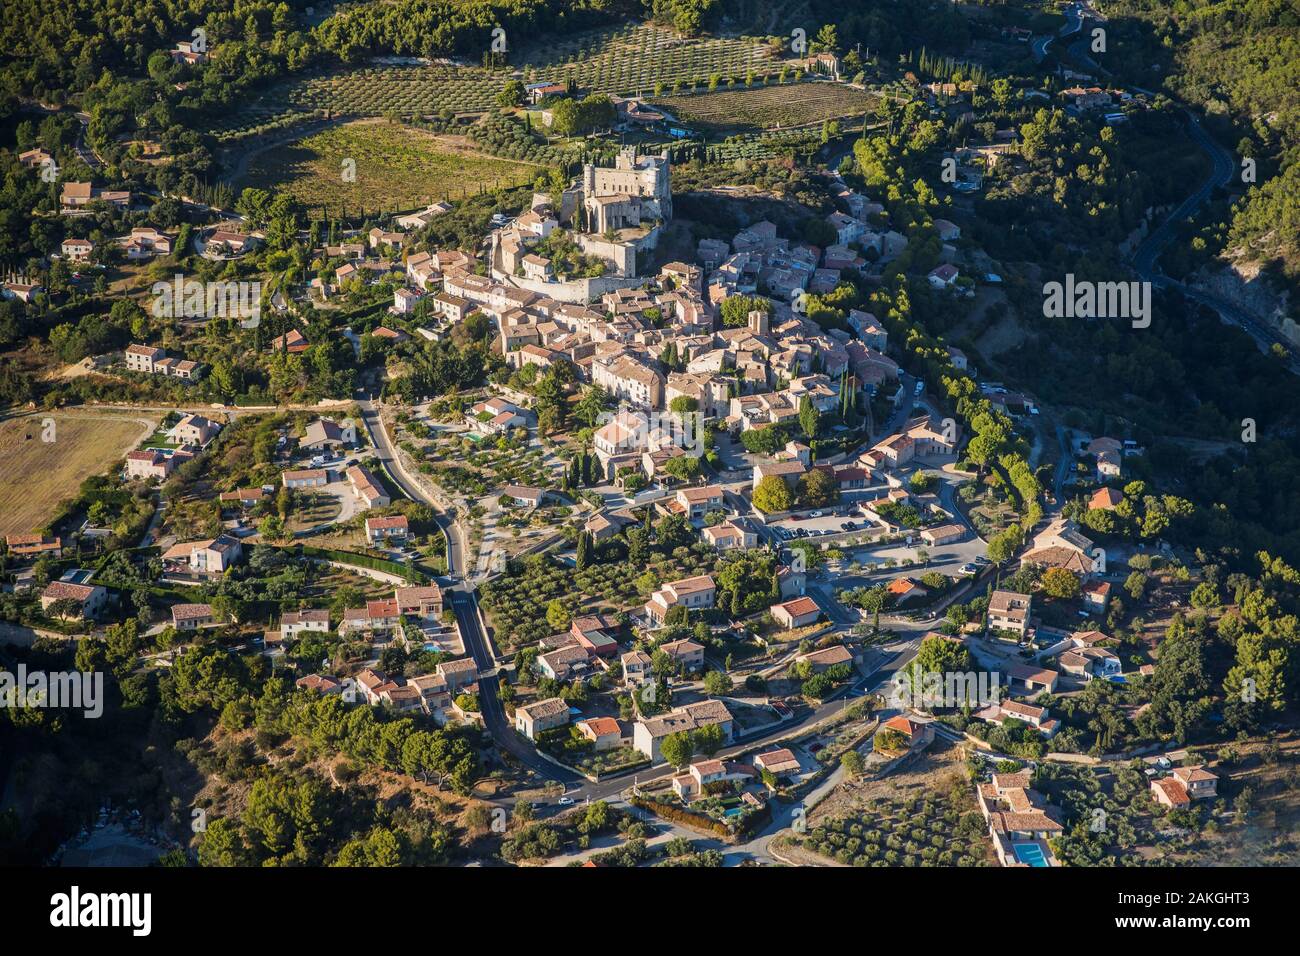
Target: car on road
(815, 514)
(565, 801)
(969, 570)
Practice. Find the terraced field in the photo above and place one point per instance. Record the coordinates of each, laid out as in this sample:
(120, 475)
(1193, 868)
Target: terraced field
(396, 167)
(636, 58)
(405, 90)
(633, 59)
(770, 107)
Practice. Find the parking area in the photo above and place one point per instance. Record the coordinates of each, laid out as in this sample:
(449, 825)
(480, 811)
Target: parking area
(841, 519)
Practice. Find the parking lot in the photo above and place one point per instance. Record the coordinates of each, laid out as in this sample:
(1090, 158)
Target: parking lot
(825, 522)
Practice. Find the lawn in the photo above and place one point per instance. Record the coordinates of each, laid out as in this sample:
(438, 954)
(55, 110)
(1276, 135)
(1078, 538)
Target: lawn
(768, 107)
(37, 474)
(396, 167)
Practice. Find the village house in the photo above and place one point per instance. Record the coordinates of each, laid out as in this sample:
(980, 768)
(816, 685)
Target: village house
(1184, 785)
(1020, 820)
(33, 545)
(695, 502)
(904, 589)
(145, 242)
(1062, 545)
(459, 673)
(943, 534)
(209, 556)
(779, 763)
(1009, 611)
(367, 488)
(33, 158)
(707, 776)
(148, 464)
(524, 496)
(305, 478)
(322, 684)
(826, 658)
(648, 734)
(592, 631)
(686, 654)
(916, 733)
(394, 529)
(637, 668)
(629, 380)
(89, 598)
(293, 623)
(292, 342)
(799, 612)
(692, 593)
(1008, 709)
(734, 533)
(195, 430)
(325, 433)
(533, 719)
(421, 602)
(193, 617)
(605, 733)
(77, 250)
(943, 276)
(564, 662)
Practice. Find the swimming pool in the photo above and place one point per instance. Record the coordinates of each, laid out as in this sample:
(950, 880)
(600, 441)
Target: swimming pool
(1031, 854)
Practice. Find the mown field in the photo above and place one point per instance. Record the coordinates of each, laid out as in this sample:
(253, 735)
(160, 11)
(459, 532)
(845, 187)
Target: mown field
(768, 107)
(37, 474)
(397, 167)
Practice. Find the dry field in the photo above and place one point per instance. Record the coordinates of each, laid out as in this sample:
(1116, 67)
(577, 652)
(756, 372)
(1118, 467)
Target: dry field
(37, 475)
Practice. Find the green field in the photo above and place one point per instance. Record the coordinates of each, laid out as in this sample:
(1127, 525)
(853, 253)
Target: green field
(396, 167)
(778, 106)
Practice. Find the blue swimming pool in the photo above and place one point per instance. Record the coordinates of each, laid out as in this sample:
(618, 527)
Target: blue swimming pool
(1031, 854)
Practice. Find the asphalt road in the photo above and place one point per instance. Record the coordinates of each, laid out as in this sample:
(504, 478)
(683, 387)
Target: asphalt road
(1146, 257)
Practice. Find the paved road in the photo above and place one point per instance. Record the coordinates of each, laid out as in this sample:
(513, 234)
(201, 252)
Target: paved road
(1073, 23)
(1145, 259)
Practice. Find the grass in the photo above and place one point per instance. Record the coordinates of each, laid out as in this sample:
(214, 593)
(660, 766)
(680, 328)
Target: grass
(37, 475)
(397, 167)
(768, 107)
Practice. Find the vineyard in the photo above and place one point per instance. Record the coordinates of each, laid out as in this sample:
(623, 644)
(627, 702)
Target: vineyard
(637, 58)
(397, 167)
(632, 59)
(787, 142)
(770, 107)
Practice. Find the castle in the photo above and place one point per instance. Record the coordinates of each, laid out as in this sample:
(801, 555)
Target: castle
(614, 214)
(636, 188)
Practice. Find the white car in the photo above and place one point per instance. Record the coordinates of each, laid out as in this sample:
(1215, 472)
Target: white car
(565, 801)
(815, 514)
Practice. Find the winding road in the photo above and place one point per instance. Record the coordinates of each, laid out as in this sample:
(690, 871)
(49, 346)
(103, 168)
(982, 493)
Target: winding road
(1146, 258)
